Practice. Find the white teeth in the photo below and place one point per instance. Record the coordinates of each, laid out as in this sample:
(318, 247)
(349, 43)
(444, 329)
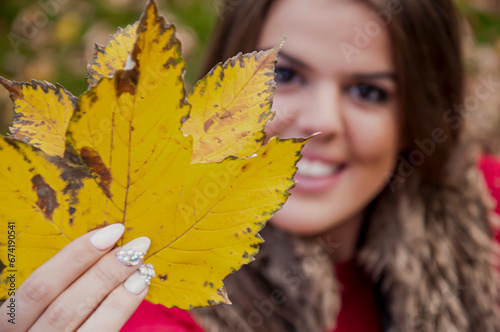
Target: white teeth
(315, 168)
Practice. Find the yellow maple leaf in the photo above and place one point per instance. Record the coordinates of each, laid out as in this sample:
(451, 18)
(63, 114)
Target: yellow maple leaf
(127, 161)
(221, 122)
(41, 114)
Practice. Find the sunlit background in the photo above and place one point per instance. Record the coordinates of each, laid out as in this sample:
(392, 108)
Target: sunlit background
(52, 40)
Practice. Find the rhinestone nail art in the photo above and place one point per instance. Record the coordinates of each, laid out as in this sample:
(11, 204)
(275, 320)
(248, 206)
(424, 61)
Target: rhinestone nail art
(148, 271)
(130, 257)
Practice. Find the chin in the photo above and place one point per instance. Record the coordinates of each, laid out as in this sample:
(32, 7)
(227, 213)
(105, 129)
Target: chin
(294, 222)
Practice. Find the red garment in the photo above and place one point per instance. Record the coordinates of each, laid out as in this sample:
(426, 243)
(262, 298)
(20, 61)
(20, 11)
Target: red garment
(359, 311)
(155, 317)
(490, 165)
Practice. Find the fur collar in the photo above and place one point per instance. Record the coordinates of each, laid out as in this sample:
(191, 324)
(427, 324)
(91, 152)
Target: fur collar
(435, 254)
(429, 247)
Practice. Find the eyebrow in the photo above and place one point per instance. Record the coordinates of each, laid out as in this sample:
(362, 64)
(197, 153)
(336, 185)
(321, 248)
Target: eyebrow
(292, 59)
(370, 76)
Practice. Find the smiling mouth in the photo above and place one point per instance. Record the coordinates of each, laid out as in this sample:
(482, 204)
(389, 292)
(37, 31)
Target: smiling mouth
(317, 169)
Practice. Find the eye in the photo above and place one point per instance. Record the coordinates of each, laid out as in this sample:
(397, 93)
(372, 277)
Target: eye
(369, 93)
(286, 75)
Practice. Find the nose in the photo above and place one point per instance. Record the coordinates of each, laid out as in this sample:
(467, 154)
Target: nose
(322, 111)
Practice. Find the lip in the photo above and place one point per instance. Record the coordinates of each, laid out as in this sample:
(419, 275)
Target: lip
(309, 184)
(316, 185)
(311, 156)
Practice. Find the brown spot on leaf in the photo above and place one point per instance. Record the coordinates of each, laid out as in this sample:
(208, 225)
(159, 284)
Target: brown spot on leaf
(242, 135)
(92, 96)
(47, 198)
(2, 266)
(163, 277)
(126, 81)
(202, 89)
(172, 41)
(71, 156)
(225, 115)
(94, 162)
(171, 62)
(208, 124)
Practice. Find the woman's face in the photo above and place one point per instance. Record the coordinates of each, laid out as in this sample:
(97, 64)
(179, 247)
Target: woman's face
(352, 100)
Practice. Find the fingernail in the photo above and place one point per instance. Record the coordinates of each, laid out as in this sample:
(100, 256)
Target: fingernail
(141, 278)
(106, 237)
(134, 251)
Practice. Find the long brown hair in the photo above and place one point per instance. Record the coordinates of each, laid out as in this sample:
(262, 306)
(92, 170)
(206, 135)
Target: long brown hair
(426, 40)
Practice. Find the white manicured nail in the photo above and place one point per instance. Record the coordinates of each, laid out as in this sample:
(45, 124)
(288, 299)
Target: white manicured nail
(106, 237)
(134, 251)
(141, 278)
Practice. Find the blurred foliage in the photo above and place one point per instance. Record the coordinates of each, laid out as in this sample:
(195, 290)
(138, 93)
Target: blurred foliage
(484, 18)
(52, 40)
(483, 60)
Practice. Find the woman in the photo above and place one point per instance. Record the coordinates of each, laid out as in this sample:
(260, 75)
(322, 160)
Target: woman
(390, 226)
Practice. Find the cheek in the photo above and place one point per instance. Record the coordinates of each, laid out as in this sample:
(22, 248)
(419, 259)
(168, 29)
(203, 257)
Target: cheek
(373, 138)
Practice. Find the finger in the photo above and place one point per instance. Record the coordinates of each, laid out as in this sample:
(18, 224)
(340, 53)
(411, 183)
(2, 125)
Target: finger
(80, 299)
(117, 308)
(49, 280)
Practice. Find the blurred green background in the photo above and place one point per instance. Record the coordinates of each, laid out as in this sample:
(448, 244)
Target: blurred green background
(52, 40)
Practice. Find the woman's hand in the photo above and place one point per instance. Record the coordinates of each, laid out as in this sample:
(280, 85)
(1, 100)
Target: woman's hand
(84, 287)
